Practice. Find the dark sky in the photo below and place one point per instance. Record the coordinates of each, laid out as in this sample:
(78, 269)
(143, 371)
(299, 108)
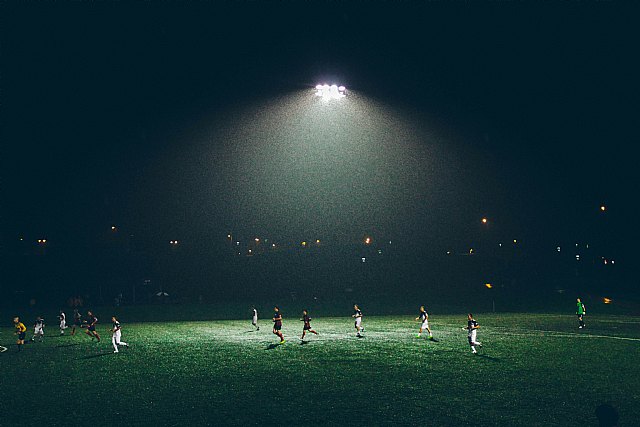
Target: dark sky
(156, 116)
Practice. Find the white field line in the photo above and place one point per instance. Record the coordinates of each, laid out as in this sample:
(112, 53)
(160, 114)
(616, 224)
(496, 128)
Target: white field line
(571, 335)
(3, 349)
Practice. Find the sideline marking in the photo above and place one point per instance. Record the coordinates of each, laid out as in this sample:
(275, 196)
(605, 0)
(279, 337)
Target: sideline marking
(571, 335)
(2, 349)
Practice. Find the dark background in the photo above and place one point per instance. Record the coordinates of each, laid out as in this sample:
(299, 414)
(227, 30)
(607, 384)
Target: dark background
(520, 112)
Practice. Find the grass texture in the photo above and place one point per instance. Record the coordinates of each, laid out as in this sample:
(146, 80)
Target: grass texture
(533, 370)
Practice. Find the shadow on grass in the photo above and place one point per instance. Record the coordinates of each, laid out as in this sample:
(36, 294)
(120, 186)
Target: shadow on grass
(67, 345)
(484, 356)
(94, 356)
(304, 342)
(253, 330)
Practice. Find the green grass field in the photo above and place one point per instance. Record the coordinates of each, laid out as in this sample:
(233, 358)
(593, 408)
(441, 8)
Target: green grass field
(533, 370)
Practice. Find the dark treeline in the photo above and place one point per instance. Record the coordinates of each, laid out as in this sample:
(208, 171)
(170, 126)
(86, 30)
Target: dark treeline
(123, 271)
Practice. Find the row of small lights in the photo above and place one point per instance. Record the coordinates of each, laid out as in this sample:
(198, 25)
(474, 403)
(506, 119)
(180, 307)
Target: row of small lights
(367, 240)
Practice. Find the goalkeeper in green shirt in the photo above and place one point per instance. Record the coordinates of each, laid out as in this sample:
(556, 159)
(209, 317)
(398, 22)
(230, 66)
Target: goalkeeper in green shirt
(580, 311)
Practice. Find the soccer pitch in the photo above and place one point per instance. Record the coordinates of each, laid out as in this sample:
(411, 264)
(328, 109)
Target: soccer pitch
(532, 370)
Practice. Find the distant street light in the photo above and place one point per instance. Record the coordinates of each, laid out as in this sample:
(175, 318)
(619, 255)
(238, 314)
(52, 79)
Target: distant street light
(367, 240)
(603, 208)
(173, 242)
(114, 228)
(484, 220)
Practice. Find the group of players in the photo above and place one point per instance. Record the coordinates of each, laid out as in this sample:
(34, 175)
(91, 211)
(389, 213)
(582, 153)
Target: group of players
(423, 317)
(89, 323)
(91, 320)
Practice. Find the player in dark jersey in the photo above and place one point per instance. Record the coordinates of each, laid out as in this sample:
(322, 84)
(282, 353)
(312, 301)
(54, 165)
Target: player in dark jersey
(91, 326)
(20, 332)
(277, 324)
(423, 317)
(357, 315)
(307, 324)
(472, 330)
(77, 321)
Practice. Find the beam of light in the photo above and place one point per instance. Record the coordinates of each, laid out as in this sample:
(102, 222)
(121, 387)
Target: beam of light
(488, 285)
(331, 91)
(607, 300)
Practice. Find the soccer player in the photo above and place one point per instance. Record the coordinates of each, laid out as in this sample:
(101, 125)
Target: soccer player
(472, 329)
(21, 331)
(63, 322)
(117, 333)
(358, 322)
(91, 326)
(580, 311)
(424, 318)
(254, 319)
(277, 324)
(307, 324)
(77, 321)
(38, 329)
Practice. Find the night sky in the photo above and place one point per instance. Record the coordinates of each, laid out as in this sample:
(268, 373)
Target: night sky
(180, 120)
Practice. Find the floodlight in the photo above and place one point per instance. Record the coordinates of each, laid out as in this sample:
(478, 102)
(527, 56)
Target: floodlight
(330, 91)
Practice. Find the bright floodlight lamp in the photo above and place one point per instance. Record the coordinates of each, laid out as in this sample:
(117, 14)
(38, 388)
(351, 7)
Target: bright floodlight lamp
(331, 91)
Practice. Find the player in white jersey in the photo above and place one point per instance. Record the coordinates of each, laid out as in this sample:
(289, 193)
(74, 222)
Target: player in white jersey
(63, 322)
(38, 329)
(424, 318)
(357, 315)
(254, 319)
(472, 329)
(117, 333)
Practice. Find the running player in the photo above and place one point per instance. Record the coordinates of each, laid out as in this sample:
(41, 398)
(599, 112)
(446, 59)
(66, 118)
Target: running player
(91, 326)
(424, 318)
(117, 333)
(307, 324)
(277, 324)
(21, 331)
(580, 312)
(254, 319)
(358, 322)
(63, 322)
(77, 321)
(38, 329)
(472, 329)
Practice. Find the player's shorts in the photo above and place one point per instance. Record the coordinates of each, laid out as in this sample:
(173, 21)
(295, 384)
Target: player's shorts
(21, 336)
(38, 331)
(63, 324)
(254, 322)
(425, 325)
(91, 328)
(277, 327)
(306, 327)
(472, 337)
(358, 322)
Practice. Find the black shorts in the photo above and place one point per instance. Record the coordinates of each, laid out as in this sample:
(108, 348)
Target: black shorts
(91, 328)
(277, 327)
(307, 327)
(21, 336)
